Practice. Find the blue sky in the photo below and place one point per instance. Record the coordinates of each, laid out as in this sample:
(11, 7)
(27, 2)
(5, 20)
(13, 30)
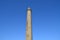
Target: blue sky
(45, 19)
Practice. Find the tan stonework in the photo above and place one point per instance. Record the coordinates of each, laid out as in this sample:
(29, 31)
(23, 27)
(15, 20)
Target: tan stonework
(29, 25)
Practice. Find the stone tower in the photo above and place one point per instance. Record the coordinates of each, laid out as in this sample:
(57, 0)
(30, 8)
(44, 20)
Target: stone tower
(29, 25)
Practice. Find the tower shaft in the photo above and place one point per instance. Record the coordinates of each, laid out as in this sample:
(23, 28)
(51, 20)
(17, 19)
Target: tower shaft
(29, 25)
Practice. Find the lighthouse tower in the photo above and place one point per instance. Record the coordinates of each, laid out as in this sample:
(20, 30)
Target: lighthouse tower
(29, 24)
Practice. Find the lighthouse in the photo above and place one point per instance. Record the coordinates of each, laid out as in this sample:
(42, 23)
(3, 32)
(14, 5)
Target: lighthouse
(29, 24)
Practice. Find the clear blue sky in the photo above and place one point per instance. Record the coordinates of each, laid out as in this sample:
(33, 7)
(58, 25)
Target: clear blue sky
(45, 19)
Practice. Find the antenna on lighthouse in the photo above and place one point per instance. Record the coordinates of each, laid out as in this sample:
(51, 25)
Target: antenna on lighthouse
(29, 3)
